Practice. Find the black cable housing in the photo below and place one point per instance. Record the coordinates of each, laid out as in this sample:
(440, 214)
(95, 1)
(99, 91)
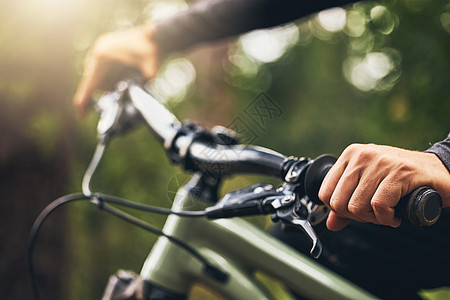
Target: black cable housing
(101, 202)
(144, 207)
(35, 228)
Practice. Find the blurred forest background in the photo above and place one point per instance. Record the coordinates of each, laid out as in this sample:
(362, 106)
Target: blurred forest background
(374, 72)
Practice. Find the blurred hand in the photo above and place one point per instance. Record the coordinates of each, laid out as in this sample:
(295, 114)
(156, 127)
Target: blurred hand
(367, 182)
(113, 53)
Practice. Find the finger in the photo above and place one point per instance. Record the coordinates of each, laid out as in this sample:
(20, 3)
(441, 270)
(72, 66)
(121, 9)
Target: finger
(88, 84)
(330, 181)
(384, 201)
(343, 192)
(81, 97)
(360, 201)
(336, 223)
(148, 69)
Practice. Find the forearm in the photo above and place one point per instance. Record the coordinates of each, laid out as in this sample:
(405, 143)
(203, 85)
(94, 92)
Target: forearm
(212, 20)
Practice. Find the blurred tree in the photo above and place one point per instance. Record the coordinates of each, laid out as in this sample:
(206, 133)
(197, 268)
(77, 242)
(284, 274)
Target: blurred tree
(35, 65)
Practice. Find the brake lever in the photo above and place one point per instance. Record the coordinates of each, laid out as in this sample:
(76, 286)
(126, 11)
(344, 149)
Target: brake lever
(249, 201)
(117, 114)
(286, 212)
(109, 110)
(287, 204)
(296, 209)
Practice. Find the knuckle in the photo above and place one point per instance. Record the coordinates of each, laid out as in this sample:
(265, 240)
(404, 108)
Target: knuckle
(381, 162)
(401, 173)
(382, 212)
(361, 153)
(338, 206)
(101, 45)
(403, 168)
(368, 152)
(379, 206)
(325, 195)
(365, 155)
(333, 205)
(356, 209)
(352, 149)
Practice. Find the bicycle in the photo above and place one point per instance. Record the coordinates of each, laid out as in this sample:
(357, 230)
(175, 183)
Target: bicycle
(202, 240)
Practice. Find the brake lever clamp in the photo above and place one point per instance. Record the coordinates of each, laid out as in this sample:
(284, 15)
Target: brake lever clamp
(288, 204)
(117, 115)
(295, 209)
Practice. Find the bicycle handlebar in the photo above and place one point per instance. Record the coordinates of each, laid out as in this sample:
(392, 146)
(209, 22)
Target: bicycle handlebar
(237, 159)
(199, 150)
(163, 123)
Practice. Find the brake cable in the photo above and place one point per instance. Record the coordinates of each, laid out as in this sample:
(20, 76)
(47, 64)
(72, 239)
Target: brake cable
(101, 202)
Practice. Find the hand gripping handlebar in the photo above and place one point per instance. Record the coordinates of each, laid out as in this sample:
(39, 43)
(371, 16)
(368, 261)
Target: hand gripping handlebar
(422, 207)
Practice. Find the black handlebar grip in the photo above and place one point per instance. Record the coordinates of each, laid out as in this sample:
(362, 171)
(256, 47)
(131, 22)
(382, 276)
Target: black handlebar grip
(422, 207)
(316, 174)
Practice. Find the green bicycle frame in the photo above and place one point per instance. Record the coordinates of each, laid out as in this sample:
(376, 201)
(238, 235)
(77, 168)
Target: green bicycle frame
(239, 248)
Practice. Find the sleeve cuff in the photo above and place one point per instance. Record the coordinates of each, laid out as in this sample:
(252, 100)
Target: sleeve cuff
(442, 151)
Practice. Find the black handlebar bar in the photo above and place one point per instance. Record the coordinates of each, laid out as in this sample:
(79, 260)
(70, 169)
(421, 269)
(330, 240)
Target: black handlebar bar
(236, 159)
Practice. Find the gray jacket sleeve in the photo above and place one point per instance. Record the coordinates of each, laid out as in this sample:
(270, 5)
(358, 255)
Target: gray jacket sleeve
(442, 150)
(211, 20)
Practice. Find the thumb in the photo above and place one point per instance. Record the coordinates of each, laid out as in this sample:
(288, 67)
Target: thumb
(81, 98)
(336, 223)
(148, 69)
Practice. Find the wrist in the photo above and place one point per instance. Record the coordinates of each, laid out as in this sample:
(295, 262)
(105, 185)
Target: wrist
(440, 177)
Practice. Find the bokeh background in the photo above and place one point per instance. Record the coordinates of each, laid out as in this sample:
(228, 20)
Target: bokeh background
(374, 72)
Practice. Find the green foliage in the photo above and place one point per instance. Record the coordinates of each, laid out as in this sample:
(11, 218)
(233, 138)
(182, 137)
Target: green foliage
(324, 111)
